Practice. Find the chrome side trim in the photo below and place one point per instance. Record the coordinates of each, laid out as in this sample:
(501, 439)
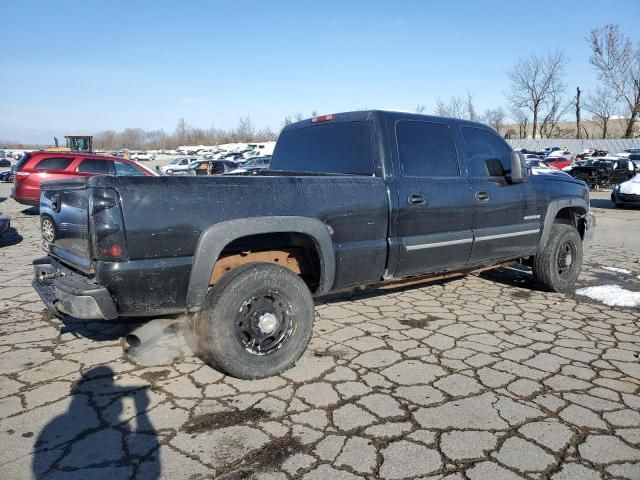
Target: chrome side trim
(508, 235)
(438, 244)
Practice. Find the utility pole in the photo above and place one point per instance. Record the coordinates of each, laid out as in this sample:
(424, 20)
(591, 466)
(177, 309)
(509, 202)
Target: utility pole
(578, 111)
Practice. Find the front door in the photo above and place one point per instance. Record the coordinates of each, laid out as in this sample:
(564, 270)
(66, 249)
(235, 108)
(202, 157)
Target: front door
(435, 204)
(507, 216)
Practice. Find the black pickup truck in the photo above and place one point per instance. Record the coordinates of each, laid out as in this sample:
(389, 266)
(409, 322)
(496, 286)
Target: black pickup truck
(350, 199)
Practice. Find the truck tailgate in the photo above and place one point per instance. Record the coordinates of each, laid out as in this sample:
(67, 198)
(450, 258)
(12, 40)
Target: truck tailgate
(66, 205)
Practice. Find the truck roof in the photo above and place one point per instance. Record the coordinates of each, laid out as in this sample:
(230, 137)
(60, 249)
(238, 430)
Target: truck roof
(365, 115)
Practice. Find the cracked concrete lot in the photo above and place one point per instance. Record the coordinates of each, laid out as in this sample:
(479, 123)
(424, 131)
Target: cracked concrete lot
(479, 377)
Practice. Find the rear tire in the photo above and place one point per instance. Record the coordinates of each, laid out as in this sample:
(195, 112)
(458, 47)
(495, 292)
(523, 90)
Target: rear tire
(615, 201)
(256, 322)
(557, 266)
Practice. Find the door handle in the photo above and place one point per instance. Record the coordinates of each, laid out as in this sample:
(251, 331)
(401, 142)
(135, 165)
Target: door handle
(482, 196)
(416, 199)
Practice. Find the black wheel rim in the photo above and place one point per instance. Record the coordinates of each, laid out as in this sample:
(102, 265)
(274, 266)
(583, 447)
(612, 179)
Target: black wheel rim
(264, 323)
(566, 259)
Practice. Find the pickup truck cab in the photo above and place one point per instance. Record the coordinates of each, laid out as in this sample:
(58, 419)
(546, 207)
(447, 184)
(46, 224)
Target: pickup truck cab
(349, 200)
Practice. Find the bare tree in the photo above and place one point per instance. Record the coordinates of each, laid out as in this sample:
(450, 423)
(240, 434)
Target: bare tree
(534, 80)
(495, 118)
(556, 109)
(603, 105)
(420, 108)
(521, 118)
(470, 108)
(246, 130)
(618, 65)
(457, 107)
(182, 130)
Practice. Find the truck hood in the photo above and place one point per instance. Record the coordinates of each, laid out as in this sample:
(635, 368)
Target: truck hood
(560, 177)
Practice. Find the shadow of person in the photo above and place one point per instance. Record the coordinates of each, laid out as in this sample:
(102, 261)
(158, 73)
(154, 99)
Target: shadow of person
(93, 439)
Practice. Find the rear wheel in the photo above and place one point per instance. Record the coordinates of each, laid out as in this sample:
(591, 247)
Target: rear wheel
(557, 266)
(257, 321)
(48, 229)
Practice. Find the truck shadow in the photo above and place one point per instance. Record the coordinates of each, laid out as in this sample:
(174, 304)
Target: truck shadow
(601, 203)
(382, 290)
(98, 331)
(10, 237)
(32, 211)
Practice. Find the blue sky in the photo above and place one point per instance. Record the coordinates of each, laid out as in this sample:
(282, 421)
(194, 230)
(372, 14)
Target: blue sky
(85, 66)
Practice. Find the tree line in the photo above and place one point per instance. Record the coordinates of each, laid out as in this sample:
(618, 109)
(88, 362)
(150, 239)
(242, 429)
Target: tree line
(184, 134)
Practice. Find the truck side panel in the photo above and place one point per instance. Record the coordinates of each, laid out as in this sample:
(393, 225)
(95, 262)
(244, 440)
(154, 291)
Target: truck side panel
(353, 207)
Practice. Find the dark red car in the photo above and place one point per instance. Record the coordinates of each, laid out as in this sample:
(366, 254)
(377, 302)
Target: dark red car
(41, 166)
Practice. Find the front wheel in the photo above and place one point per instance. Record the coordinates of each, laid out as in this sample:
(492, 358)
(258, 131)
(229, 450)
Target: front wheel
(557, 266)
(257, 321)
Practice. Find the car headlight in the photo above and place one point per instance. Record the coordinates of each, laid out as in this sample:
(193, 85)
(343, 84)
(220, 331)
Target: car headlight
(616, 188)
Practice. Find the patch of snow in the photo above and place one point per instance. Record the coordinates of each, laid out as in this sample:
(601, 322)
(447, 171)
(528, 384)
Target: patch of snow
(618, 270)
(612, 295)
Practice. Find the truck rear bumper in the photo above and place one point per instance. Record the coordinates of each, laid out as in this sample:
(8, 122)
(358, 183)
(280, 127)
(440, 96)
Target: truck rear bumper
(66, 292)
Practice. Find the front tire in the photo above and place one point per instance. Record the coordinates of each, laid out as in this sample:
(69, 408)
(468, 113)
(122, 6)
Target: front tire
(557, 266)
(256, 322)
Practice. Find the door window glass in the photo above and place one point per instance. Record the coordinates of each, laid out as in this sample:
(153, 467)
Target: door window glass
(53, 163)
(487, 155)
(426, 149)
(124, 169)
(96, 166)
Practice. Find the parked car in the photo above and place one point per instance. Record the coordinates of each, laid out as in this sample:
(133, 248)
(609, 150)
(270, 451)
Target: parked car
(208, 167)
(627, 193)
(626, 153)
(4, 162)
(177, 164)
(539, 167)
(141, 156)
(253, 164)
(605, 171)
(34, 168)
(212, 154)
(350, 200)
(5, 222)
(6, 176)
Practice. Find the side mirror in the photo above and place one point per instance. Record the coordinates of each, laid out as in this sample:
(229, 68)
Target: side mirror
(517, 160)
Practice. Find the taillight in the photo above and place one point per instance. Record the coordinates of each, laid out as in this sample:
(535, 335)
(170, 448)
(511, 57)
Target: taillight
(21, 175)
(323, 118)
(107, 225)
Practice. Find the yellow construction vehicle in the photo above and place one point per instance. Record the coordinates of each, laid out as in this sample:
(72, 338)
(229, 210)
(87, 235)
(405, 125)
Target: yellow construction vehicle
(75, 143)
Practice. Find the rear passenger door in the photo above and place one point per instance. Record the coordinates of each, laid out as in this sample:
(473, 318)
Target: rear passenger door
(52, 168)
(507, 216)
(435, 204)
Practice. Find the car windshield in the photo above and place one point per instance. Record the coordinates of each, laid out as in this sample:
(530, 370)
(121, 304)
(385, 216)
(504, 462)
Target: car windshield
(175, 161)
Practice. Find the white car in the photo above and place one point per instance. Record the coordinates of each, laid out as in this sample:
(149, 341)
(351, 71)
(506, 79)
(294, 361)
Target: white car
(627, 193)
(176, 165)
(141, 156)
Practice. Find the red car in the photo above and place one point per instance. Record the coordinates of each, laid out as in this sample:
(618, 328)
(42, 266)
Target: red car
(36, 167)
(559, 162)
